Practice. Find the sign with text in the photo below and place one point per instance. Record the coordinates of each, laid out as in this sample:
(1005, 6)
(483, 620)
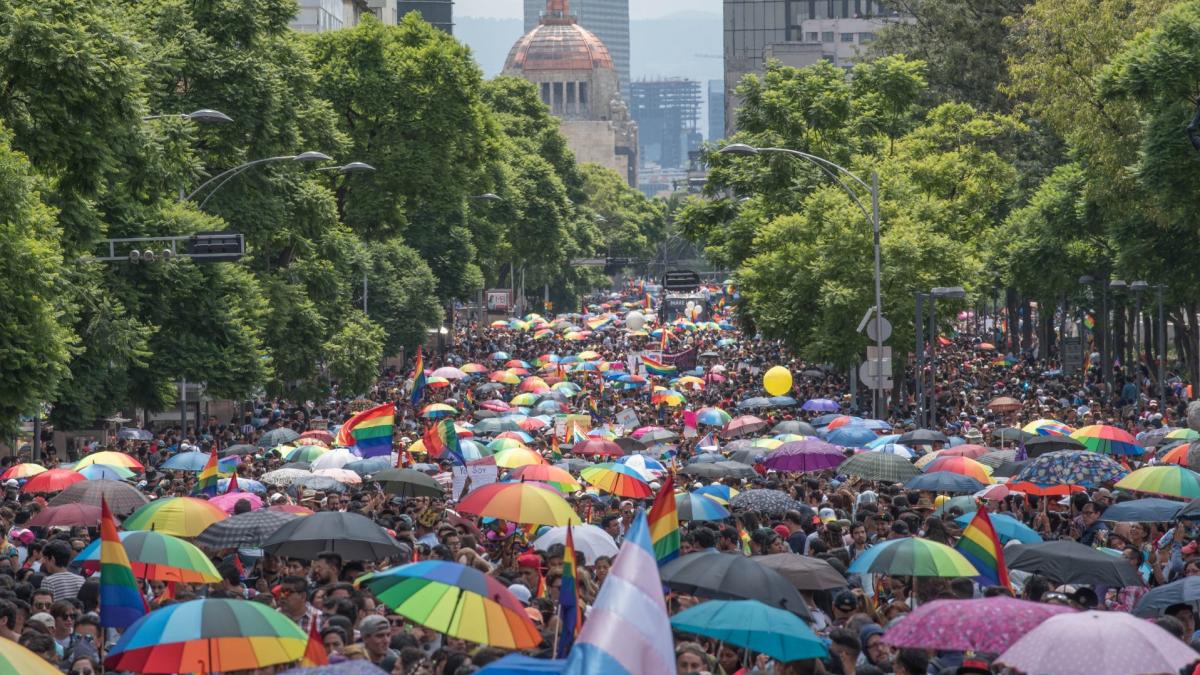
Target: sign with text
(628, 419)
(481, 472)
(499, 300)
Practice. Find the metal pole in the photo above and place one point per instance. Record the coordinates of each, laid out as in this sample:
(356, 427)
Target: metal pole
(919, 356)
(930, 396)
(879, 393)
(1162, 353)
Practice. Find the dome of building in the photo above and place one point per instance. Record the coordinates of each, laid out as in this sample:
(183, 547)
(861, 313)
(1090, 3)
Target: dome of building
(558, 43)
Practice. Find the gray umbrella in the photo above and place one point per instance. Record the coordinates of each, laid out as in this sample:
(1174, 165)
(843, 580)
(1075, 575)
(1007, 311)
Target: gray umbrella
(719, 470)
(879, 466)
(132, 434)
(754, 402)
(1184, 591)
(722, 576)
(997, 457)
(368, 466)
(248, 529)
(321, 484)
(239, 449)
(1035, 447)
(944, 481)
(921, 436)
(1069, 562)
(495, 425)
(302, 466)
(573, 464)
(766, 501)
(408, 483)
(804, 572)
(350, 535)
(276, 437)
(658, 436)
(1009, 469)
(122, 497)
(489, 387)
(630, 444)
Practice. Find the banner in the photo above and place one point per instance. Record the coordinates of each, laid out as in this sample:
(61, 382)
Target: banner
(481, 471)
(684, 360)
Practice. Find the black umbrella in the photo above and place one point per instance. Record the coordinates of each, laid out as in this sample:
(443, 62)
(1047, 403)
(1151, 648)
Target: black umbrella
(408, 483)
(794, 427)
(630, 444)
(719, 470)
(573, 464)
(239, 449)
(1013, 434)
(122, 497)
(944, 481)
(1189, 512)
(922, 436)
(722, 576)
(243, 530)
(748, 455)
(1069, 562)
(1009, 469)
(350, 535)
(276, 437)
(1148, 510)
(766, 501)
(804, 572)
(754, 402)
(1040, 445)
(1152, 604)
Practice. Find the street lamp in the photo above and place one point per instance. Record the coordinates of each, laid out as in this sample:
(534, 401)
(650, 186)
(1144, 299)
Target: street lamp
(229, 174)
(352, 167)
(487, 196)
(834, 172)
(203, 115)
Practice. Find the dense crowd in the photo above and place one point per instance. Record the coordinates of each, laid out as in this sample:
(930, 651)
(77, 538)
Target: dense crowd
(50, 603)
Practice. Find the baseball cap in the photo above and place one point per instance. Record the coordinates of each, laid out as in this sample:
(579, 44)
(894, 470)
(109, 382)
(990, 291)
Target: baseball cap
(868, 497)
(535, 615)
(520, 592)
(373, 624)
(43, 619)
(827, 515)
(845, 601)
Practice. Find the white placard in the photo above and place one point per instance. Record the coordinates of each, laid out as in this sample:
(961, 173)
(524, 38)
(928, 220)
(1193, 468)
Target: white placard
(481, 474)
(628, 419)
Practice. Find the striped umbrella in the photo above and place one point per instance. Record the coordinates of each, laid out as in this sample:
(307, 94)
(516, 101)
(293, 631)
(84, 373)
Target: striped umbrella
(456, 600)
(519, 503)
(913, 557)
(713, 417)
(245, 530)
(1171, 481)
(23, 470)
(691, 506)
(435, 411)
(156, 556)
(617, 479)
(105, 472)
(515, 457)
(179, 516)
(879, 466)
(963, 466)
(545, 473)
(1045, 427)
(205, 636)
(121, 497)
(719, 492)
(1108, 440)
(111, 458)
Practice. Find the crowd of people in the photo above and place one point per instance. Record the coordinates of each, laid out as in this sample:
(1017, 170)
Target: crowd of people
(51, 606)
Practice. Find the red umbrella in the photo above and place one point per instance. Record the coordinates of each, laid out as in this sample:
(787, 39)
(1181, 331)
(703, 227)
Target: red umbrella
(597, 446)
(53, 481)
(67, 515)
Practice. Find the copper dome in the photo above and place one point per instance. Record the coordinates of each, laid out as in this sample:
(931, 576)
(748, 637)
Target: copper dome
(558, 43)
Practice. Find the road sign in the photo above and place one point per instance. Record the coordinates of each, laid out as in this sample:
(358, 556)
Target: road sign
(681, 280)
(877, 323)
(1072, 355)
(866, 373)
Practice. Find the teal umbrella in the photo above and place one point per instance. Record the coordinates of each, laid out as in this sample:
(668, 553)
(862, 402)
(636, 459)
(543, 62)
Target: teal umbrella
(1007, 528)
(753, 625)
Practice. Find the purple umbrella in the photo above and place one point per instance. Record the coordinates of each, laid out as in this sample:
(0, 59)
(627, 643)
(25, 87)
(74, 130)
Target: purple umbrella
(1098, 643)
(988, 625)
(819, 405)
(810, 455)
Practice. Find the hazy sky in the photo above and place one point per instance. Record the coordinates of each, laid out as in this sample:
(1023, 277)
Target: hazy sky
(638, 9)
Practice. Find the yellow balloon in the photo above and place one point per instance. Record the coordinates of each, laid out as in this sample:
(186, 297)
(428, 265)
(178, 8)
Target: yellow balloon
(777, 381)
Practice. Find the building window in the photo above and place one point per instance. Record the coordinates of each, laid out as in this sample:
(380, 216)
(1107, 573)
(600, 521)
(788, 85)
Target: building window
(866, 37)
(558, 98)
(546, 93)
(583, 96)
(847, 37)
(814, 36)
(572, 105)
(827, 36)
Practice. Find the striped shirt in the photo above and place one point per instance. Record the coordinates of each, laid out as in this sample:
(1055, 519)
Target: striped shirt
(63, 585)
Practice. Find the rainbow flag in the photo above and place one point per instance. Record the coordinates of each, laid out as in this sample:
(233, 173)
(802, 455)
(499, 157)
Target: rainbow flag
(980, 545)
(664, 523)
(569, 610)
(418, 388)
(314, 651)
(744, 536)
(555, 452)
(370, 431)
(658, 367)
(206, 482)
(627, 630)
(441, 439)
(121, 602)
(233, 485)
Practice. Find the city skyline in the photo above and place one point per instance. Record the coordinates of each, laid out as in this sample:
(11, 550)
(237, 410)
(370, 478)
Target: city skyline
(638, 9)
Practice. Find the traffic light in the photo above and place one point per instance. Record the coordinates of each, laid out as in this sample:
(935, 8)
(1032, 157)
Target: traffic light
(210, 247)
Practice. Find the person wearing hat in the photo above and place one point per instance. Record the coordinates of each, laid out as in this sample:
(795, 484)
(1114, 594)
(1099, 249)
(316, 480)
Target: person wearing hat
(376, 632)
(873, 650)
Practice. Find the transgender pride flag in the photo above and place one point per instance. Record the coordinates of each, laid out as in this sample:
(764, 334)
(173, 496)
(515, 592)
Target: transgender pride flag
(627, 630)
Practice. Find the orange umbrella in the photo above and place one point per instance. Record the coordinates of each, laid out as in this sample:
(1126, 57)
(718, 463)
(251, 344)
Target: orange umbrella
(963, 466)
(519, 503)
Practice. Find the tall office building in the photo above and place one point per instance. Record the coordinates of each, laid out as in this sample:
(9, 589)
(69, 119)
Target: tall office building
(608, 19)
(440, 13)
(797, 33)
(667, 113)
(716, 110)
(317, 16)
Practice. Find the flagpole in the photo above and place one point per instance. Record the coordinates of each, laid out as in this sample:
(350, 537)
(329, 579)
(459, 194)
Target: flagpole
(557, 626)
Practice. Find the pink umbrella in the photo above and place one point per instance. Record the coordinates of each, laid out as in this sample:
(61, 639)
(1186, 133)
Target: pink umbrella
(641, 431)
(987, 625)
(968, 450)
(1097, 643)
(994, 493)
(227, 501)
(743, 424)
(67, 515)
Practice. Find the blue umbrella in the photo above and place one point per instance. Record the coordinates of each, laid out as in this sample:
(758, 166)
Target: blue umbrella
(782, 401)
(956, 441)
(944, 481)
(822, 420)
(877, 425)
(1149, 510)
(753, 625)
(519, 664)
(370, 465)
(244, 485)
(186, 461)
(883, 440)
(1007, 527)
(105, 472)
(820, 405)
(851, 436)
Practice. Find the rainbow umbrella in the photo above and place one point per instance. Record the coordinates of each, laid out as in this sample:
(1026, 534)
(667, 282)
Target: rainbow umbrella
(692, 506)
(525, 399)
(505, 443)
(719, 491)
(1108, 440)
(713, 417)
(515, 457)
(964, 466)
(913, 557)
(1045, 427)
(1171, 481)
(1183, 435)
(519, 503)
(473, 368)
(546, 473)
(112, 458)
(179, 516)
(435, 411)
(457, 600)
(23, 470)
(53, 480)
(597, 446)
(206, 636)
(17, 659)
(105, 472)
(504, 377)
(157, 556)
(618, 479)
(1177, 455)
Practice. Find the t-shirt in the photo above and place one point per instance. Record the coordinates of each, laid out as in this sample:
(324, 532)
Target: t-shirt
(63, 585)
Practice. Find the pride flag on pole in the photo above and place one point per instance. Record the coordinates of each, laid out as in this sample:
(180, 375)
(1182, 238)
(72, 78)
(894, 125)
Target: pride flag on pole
(370, 431)
(569, 611)
(210, 476)
(664, 523)
(658, 367)
(418, 388)
(980, 545)
(121, 601)
(441, 439)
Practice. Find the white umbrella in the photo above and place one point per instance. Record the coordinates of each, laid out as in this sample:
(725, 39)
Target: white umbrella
(590, 540)
(284, 476)
(648, 467)
(340, 475)
(450, 373)
(1098, 643)
(335, 459)
(896, 449)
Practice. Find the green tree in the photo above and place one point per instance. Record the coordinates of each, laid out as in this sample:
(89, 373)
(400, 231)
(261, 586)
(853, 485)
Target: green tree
(631, 223)
(354, 352)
